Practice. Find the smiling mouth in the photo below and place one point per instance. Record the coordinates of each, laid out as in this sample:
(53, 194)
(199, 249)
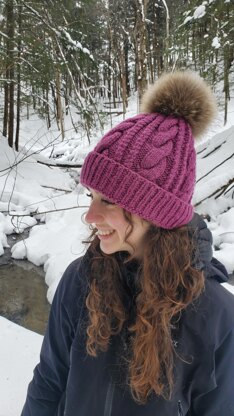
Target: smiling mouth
(104, 235)
(107, 232)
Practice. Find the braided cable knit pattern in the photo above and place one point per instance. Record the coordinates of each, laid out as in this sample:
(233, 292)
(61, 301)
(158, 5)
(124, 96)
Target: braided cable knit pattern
(147, 165)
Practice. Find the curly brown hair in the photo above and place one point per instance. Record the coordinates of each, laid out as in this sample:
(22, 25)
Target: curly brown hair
(168, 283)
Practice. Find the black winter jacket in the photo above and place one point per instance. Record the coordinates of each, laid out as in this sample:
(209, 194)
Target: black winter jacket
(68, 382)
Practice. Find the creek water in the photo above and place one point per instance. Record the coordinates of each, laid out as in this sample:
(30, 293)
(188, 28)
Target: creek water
(23, 292)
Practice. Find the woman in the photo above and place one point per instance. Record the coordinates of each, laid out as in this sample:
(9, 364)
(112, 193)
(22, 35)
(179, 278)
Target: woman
(140, 325)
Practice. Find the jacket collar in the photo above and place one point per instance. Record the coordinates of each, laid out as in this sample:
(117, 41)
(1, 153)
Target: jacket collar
(204, 259)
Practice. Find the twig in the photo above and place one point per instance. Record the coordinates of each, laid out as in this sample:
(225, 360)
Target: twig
(59, 165)
(215, 192)
(66, 191)
(32, 214)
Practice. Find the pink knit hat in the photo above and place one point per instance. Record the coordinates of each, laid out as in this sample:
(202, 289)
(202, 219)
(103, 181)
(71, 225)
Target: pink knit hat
(147, 164)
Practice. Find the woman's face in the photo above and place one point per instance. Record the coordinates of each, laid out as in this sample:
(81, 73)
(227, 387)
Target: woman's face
(112, 225)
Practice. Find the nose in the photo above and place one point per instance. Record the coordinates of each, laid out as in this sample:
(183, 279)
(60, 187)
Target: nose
(95, 213)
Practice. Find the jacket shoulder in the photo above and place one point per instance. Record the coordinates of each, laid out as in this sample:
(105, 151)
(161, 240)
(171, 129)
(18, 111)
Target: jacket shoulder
(219, 301)
(212, 313)
(72, 288)
(74, 277)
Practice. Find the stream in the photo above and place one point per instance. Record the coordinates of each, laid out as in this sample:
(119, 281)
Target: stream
(23, 291)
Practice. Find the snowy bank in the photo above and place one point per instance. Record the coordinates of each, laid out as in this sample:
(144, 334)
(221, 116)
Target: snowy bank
(19, 353)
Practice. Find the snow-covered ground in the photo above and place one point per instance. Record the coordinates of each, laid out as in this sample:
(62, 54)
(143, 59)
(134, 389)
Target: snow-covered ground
(48, 199)
(19, 353)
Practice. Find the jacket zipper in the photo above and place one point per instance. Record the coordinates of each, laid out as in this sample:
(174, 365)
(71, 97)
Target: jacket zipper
(109, 399)
(180, 409)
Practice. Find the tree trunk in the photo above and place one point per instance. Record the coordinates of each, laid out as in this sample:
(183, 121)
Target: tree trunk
(6, 104)
(18, 77)
(10, 53)
(126, 48)
(141, 33)
(167, 39)
(226, 88)
(48, 108)
(123, 82)
(8, 120)
(60, 115)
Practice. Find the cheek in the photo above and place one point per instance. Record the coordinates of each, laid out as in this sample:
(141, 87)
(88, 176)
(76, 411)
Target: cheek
(121, 227)
(139, 230)
(119, 223)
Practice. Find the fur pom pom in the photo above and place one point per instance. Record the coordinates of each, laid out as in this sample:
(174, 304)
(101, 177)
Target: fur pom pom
(182, 94)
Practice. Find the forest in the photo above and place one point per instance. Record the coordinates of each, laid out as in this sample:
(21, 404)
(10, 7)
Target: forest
(61, 56)
(70, 70)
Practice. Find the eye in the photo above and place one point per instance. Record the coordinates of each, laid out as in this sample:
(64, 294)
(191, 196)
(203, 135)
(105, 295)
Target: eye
(107, 202)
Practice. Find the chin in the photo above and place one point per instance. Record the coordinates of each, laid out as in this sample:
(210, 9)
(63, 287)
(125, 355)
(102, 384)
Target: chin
(112, 250)
(108, 250)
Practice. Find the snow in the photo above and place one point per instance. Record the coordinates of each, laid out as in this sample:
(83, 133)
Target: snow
(142, 10)
(229, 287)
(20, 349)
(187, 19)
(199, 12)
(216, 42)
(223, 235)
(77, 44)
(48, 199)
(214, 169)
(219, 169)
(45, 245)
